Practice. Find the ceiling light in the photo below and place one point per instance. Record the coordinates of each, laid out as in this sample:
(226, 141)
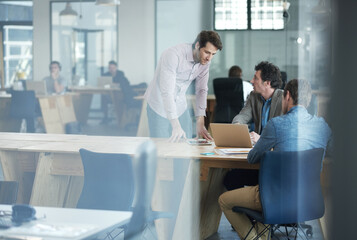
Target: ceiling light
(107, 2)
(68, 11)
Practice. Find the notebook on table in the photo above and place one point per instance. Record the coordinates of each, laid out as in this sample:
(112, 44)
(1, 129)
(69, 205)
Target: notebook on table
(231, 135)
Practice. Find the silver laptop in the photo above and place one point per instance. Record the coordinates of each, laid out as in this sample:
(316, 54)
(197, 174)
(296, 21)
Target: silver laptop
(231, 135)
(104, 81)
(38, 86)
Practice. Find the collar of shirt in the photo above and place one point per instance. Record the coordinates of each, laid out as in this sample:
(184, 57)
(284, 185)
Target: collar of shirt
(189, 54)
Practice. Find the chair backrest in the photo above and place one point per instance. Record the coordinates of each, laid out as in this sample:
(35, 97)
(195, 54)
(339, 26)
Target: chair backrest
(312, 108)
(8, 192)
(229, 99)
(145, 163)
(23, 104)
(290, 188)
(108, 181)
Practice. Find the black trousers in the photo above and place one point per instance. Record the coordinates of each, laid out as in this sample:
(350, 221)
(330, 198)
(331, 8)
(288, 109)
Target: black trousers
(238, 178)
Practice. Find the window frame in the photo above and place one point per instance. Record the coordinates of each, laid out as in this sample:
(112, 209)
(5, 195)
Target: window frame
(249, 20)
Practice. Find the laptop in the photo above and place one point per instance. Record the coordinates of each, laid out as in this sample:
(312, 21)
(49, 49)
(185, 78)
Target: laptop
(104, 81)
(231, 135)
(38, 86)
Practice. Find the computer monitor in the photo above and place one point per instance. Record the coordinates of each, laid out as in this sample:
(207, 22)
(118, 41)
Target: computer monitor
(104, 81)
(38, 86)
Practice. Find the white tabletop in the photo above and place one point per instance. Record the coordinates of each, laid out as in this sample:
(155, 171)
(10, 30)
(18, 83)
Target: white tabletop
(66, 223)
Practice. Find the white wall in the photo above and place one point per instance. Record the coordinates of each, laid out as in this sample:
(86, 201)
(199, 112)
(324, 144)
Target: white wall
(137, 39)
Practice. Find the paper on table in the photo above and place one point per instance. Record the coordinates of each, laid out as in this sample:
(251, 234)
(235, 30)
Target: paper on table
(198, 142)
(230, 151)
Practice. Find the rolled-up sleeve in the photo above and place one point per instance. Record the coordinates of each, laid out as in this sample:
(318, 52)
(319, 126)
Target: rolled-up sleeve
(167, 80)
(265, 143)
(201, 92)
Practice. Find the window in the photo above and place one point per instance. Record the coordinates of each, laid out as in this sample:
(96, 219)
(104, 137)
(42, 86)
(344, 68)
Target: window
(16, 41)
(249, 14)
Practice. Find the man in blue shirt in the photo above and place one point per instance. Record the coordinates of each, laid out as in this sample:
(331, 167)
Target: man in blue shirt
(296, 130)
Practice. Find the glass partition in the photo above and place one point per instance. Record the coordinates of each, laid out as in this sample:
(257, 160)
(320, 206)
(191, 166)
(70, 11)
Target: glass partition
(84, 39)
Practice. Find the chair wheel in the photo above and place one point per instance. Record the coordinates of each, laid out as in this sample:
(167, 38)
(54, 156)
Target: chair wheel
(309, 232)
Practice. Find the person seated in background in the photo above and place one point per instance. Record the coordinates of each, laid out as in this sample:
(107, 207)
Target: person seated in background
(120, 79)
(296, 130)
(263, 103)
(236, 72)
(55, 83)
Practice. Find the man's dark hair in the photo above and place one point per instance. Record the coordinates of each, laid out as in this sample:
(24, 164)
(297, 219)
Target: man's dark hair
(55, 62)
(300, 91)
(113, 63)
(270, 72)
(208, 36)
(235, 71)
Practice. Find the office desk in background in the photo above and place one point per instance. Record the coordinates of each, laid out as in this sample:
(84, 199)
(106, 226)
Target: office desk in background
(83, 101)
(57, 111)
(67, 223)
(57, 174)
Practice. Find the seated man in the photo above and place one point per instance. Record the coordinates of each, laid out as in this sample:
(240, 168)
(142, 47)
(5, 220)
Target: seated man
(263, 103)
(118, 78)
(55, 83)
(297, 130)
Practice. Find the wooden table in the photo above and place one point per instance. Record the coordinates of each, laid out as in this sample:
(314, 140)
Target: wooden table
(85, 224)
(57, 174)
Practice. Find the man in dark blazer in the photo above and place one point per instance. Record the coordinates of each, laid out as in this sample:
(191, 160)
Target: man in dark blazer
(263, 103)
(120, 79)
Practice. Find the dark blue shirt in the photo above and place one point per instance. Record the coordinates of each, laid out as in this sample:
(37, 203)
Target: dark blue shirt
(265, 112)
(296, 130)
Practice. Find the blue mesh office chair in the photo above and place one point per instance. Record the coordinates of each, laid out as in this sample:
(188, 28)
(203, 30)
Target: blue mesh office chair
(108, 181)
(8, 192)
(229, 99)
(108, 184)
(290, 190)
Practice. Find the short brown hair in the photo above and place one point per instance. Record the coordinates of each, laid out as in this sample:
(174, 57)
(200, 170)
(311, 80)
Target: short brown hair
(300, 91)
(208, 36)
(235, 71)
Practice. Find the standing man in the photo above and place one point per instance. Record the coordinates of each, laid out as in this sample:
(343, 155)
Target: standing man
(118, 78)
(263, 104)
(178, 66)
(55, 83)
(296, 130)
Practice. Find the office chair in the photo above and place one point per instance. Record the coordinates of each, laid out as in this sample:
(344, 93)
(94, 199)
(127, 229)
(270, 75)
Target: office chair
(312, 108)
(108, 184)
(108, 181)
(8, 192)
(23, 106)
(229, 99)
(284, 79)
(145, 163)
(290, 191)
